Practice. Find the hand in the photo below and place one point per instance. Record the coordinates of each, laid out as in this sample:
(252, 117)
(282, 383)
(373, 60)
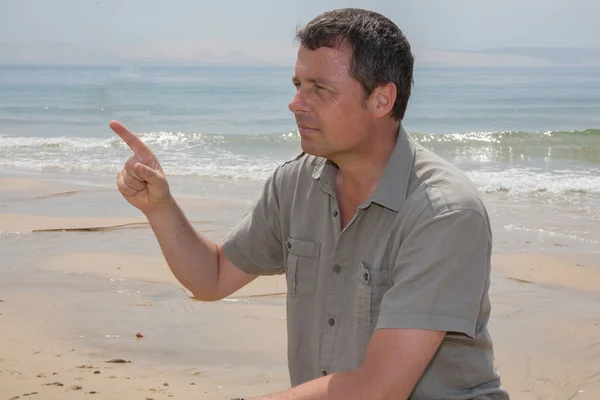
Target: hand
(141, 181)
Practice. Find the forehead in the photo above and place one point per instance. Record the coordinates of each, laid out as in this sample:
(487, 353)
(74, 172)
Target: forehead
(325, 62)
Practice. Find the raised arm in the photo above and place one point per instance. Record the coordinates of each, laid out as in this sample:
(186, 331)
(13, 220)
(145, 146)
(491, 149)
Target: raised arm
(198, 263)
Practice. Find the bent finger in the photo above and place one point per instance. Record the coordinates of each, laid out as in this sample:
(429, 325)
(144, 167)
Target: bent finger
(152, 176)
(133, 182)
(129, 167)
(123, 188)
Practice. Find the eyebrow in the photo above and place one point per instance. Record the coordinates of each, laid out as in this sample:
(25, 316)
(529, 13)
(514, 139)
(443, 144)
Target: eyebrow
(317, 81)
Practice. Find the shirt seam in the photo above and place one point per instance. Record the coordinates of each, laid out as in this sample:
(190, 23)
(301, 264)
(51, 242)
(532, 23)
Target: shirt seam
(430, 314)
(448, 207)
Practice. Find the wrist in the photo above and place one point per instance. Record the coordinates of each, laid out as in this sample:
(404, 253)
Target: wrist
(164, 208)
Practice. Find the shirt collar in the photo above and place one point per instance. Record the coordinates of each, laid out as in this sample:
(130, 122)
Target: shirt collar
(392, 189)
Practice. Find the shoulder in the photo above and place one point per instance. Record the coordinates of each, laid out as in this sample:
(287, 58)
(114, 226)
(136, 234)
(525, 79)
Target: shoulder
(437, 188)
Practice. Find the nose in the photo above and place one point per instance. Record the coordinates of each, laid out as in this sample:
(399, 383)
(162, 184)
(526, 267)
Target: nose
(298, 103)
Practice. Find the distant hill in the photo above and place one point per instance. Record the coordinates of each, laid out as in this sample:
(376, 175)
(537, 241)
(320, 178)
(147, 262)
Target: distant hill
(218, 52)
(555, 55)
(53, 53)
(169, 53)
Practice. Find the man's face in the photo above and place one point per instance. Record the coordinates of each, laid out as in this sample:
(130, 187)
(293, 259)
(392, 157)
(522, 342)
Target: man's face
(328, 105)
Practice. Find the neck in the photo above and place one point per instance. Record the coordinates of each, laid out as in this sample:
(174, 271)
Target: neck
(359, 172)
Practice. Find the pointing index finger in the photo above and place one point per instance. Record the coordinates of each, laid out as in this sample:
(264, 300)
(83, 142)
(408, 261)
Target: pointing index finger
(136, 144)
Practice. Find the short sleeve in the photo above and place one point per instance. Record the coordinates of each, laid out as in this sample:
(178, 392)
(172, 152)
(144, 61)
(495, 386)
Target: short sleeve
(440, 275)
(254, 244)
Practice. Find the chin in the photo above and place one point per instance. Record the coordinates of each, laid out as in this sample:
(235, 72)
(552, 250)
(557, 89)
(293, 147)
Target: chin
(314, 150)
(313, 145)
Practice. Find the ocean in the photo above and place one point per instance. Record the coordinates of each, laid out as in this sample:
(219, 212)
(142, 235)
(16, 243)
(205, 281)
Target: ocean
(524, 135)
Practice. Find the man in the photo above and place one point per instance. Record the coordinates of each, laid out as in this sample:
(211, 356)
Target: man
(385, 246)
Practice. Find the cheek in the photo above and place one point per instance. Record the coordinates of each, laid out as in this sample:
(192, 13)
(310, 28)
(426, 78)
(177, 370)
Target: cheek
(343, 119)
(333, 121)
(342, 130)
(333, 112)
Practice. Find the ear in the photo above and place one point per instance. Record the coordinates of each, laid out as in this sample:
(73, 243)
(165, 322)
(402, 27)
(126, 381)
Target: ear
(382, 100)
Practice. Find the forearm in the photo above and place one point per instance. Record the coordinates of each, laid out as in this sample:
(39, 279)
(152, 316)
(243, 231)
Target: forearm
(392, 366)
(192, 258)
(350, 385)
(334, 387)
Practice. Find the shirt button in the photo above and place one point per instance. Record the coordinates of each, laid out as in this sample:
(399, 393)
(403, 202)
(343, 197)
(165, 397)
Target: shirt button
(331, 321)
(324, 373)
(337, 269)
(335, 213)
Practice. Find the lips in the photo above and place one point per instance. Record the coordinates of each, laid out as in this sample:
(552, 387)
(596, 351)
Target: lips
(304, 129)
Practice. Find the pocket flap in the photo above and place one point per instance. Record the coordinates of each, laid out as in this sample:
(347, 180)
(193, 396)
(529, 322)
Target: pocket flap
(303, 248)
(374, 277)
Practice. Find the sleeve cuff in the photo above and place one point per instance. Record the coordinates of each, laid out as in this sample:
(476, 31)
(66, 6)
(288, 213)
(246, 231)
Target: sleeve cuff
(241, 262)
(446, 323)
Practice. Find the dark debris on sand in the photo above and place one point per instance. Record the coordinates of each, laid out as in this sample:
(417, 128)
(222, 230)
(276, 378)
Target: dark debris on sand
(53, 384)
(118, 361)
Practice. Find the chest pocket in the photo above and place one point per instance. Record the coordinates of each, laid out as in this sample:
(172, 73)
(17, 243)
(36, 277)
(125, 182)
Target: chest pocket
(372, 284)
(301, 267)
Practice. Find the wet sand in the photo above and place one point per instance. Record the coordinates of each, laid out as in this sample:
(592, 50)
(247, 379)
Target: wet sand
(81, 275)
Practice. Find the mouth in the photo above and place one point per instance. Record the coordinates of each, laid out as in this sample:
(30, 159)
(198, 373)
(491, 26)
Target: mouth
(305, 129)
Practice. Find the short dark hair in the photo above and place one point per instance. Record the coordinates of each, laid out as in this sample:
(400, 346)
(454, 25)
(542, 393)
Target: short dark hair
(380, 52)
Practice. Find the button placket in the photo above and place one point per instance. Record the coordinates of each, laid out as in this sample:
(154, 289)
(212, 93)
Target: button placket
(336, 281)
(335, 287)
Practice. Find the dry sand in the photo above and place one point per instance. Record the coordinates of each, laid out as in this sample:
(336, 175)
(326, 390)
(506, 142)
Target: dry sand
(576, 271)
(81, 275)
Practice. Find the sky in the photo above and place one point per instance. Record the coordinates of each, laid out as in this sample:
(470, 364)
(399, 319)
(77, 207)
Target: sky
(428, 24)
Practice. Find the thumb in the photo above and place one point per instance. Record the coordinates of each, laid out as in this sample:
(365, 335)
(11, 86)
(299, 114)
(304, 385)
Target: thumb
(148, 174)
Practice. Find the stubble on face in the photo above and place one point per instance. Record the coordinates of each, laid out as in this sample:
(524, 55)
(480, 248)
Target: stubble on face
(329, 105)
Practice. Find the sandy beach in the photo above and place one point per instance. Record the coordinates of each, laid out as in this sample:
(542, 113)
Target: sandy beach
(89, 307)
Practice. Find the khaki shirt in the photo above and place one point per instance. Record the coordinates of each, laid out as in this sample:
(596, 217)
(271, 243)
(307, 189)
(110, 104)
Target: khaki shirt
(415, 255)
